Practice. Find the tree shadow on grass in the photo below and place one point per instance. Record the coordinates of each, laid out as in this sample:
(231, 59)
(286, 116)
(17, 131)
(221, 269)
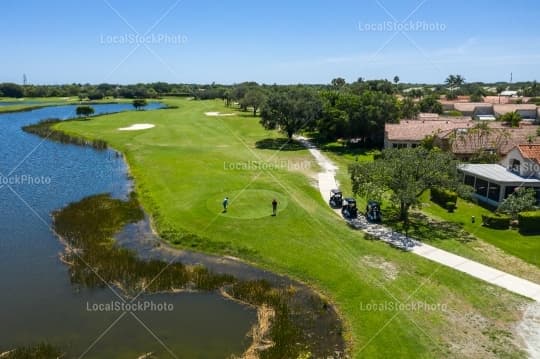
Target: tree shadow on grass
(343, 148)
(424, 228)
(279, 144)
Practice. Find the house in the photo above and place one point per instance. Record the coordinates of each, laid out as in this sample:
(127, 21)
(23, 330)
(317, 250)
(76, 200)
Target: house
(493, 183)
(527, 111)
(464, 143)
(524, 160)
(474, 109)
(411, 133)
(509, 93)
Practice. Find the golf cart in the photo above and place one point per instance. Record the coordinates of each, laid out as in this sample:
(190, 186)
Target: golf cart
(336, 198)
(373, 212)
(349, 209)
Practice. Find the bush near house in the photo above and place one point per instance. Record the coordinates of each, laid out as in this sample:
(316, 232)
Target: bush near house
(529, 222)
(496, 221)
(445, 198)
(453, 113)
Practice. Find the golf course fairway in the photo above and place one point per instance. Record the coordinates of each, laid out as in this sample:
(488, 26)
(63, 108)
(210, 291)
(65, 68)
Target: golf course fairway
(393, 304)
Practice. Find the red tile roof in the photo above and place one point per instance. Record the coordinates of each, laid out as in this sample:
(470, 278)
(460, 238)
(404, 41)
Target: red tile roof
(531, 152)
(417, 130)
(505, 139)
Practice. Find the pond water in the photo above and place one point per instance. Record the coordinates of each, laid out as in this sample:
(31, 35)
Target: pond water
(39, 303)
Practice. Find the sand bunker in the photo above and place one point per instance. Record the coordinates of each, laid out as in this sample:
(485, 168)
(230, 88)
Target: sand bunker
(218, 114)
(137, 127)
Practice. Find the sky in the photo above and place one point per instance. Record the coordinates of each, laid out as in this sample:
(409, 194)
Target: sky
(278, 41)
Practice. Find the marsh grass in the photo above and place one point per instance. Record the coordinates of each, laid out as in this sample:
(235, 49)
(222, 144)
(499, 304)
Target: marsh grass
(38, 351)
(88, 228)
(45, 129)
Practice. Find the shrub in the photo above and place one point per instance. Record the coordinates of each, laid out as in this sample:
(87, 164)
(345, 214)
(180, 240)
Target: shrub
(529, 222)
(496, 221)
(445, 198)
(451, 206)
(453, 113)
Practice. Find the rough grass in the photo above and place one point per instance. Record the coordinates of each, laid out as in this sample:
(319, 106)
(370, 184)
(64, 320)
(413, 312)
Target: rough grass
(179, 165)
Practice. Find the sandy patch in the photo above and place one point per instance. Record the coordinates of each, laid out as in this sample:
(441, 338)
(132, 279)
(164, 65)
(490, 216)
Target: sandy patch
(218, 114)
(529, 329)
(389, 270)
(137, 127)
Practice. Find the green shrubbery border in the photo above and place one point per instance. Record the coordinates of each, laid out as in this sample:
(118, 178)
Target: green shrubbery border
(529, 222)
(445, 198)
(496, 221)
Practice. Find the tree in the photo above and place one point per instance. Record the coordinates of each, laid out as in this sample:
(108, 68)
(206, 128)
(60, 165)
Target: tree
(460, 80)
(396, 79)
(333, 123)
(9, 89)
(430, 104)
(511, 118)
(485, 141)
(254, 98)
(454, 81)
(523, 199)
(409, 109)
(415, 93)
(338, 83)
(84, 111)
(239, 91)
(139, 103)
(291, 110)
(477, 96)
(451, 82)
(406, 173)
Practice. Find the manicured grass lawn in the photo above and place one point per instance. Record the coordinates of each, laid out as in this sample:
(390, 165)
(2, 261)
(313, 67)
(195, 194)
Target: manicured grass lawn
(511, 241)
(343, 156)
(189, 162)
(452, 236)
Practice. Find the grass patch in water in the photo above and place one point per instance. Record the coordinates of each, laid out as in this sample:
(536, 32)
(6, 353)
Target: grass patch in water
(44, 128)
(38, 351)
(88, 228)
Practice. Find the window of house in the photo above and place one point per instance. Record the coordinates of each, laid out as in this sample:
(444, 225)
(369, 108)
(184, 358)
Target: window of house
(494, 192)
(469, 180)
(515, 166)
(508, 191)
(481, 187)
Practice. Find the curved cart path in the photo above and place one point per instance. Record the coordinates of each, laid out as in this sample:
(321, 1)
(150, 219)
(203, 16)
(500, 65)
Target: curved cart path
(526, 288)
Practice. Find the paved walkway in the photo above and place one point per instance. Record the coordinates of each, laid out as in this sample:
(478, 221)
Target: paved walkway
(491, 275)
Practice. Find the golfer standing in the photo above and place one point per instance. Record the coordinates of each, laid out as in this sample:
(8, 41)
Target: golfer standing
(225, 204)
(274, 207)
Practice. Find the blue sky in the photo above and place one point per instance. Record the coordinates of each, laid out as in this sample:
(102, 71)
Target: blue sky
(294, 41)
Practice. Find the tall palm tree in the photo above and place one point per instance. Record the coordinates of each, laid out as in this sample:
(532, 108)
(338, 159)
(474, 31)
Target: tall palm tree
(459, 80)
(454, 81)
(451, 80)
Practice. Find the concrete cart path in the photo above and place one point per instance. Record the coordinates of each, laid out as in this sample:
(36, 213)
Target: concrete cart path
(526, 288)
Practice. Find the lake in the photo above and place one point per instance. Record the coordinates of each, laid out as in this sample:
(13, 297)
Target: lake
(38, 301)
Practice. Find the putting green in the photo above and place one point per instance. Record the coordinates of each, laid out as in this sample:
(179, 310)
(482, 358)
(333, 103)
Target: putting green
(248, 204)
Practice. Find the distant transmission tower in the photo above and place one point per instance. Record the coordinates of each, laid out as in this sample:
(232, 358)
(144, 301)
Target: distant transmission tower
(511, 77)
(25, 79)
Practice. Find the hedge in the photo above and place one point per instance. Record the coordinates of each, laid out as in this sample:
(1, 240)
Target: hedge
(444, 198)
(496, 221)
(529, 222)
